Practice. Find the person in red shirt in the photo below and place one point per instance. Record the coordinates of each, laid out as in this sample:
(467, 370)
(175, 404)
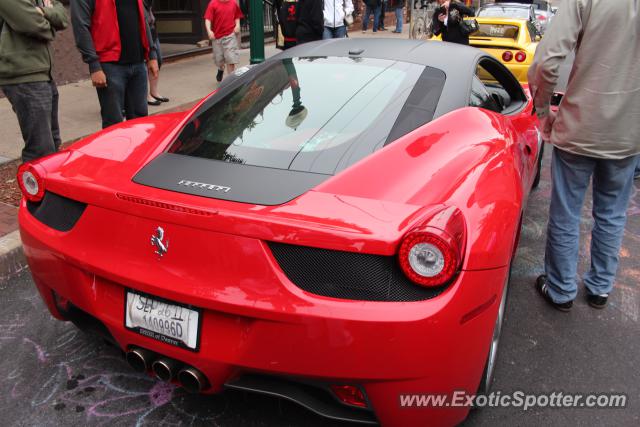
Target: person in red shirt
(222, 21)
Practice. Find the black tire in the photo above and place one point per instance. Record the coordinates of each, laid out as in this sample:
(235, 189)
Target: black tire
(536, 180)
(484, 388)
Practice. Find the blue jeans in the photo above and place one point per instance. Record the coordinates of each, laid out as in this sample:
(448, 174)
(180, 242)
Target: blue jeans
(125, 94)
(612, 186)
(637, 172)
(399, 18)
(334, 33)
(376, 18)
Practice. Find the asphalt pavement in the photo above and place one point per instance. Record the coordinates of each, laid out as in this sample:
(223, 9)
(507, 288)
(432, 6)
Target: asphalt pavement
(52, 374)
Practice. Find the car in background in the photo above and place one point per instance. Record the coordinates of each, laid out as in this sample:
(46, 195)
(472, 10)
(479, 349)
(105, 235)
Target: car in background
(334, 226)
(512, 41)
(544, 19)
(511, 10)
(542, 10)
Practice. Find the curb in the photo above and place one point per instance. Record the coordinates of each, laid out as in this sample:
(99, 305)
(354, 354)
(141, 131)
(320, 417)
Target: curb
(12, 260)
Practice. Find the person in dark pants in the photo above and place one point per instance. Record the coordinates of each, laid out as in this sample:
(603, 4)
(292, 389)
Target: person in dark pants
(447, 19)
(114, 38)
(383, 11)
(310, 24)
(27, 28)
(371, 6)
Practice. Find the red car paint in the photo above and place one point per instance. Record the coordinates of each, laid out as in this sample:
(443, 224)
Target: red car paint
(255, 319)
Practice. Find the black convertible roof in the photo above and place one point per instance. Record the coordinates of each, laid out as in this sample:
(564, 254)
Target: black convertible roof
(445, 56)
(458, 62)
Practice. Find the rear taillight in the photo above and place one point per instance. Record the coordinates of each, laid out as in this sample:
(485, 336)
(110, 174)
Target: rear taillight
(31, 182)
(541, 17)
(507, 56)
(432, 254)
(350, 394)
(521, 56)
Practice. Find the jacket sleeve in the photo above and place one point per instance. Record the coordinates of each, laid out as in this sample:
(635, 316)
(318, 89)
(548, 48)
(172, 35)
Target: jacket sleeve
(81, 13)
(348, 7)
(23, 17)
(464, 10)
(57, 16)
(153, 54)
(560, 39)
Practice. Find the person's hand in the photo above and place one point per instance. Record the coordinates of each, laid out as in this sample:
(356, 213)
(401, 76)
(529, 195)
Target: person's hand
(47, 3)
(441, 17)
(99, 79)
(546, 125)
(237, 29)
(152, 65)
(210, 34)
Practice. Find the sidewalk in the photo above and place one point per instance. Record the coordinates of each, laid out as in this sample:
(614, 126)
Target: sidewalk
(184, 82)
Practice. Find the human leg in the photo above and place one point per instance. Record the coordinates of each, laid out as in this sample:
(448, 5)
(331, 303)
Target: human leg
(33, 104)
(376, 18)
(365, 18)
(570, 175)
(612, 188)
(230, 50)
(111, 97)
(136, 92)
(399, 18)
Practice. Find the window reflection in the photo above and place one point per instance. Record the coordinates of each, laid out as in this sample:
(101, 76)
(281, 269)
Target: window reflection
(302, 113)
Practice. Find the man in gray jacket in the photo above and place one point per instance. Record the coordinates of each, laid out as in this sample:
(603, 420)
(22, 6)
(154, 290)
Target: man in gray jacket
(596, 138)
(27, 28)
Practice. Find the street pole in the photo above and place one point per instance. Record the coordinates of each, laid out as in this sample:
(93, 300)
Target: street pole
(256, 31)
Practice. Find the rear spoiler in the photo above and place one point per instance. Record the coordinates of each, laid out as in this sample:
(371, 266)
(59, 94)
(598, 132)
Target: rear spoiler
(493, 46)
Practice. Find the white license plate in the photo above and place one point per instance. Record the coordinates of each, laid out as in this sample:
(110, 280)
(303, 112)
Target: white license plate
(165, 321)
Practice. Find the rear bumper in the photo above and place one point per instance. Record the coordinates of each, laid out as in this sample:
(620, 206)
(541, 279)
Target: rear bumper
(387, 348)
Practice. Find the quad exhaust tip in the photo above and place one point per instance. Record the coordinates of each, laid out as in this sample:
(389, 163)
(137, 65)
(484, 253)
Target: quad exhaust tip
(165, 369)
(192, 380)
(140, 359)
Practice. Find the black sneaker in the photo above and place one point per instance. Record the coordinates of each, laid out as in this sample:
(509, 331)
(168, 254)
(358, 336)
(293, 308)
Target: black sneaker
(219, 75)
(543, 289)
(597, 301)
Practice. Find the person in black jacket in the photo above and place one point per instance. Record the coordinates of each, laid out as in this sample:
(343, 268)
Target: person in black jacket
(310, 24)
(447, 19)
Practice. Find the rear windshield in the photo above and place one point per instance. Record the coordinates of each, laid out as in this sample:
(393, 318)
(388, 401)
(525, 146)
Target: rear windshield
(498, 31)
(313, 114)
(504, 12)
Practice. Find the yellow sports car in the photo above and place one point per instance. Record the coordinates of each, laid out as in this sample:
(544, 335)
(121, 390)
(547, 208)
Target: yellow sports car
(512, 41)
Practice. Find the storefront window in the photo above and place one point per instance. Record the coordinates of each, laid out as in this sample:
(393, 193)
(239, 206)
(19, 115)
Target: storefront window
(173, 5)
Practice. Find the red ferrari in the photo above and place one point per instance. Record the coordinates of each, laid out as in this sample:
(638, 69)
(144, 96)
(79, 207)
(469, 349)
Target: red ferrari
(334, 226)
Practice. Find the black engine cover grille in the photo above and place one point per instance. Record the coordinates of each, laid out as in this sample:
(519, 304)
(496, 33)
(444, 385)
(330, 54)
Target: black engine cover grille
(348, 275)
(57, 212)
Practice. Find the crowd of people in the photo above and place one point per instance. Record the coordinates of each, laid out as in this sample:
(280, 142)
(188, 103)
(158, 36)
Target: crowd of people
(603, 150)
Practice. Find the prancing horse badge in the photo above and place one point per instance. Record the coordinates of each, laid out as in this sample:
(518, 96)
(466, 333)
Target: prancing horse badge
(157, 241)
